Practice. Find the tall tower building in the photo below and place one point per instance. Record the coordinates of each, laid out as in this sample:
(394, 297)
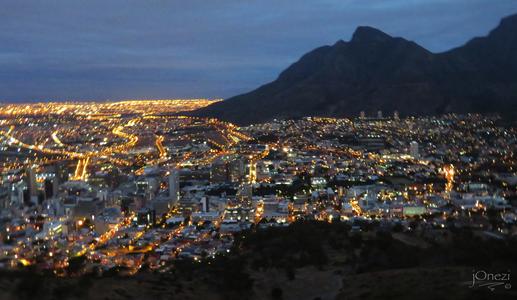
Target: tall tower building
(17, 193)
(245, 193)
(362, 115)
(33, 185)
(205, 204)
(237, 170)
(396, 115)
(379, 114)
(413, 149)
(33, 189)
(174, 186)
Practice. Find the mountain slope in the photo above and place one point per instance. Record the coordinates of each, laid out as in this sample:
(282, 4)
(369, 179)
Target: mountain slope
(374, 71)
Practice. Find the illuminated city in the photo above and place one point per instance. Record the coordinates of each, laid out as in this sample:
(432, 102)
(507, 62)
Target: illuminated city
(132, 188)
(258, 150)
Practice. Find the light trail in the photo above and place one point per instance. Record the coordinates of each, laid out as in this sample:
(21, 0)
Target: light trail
(13, 140)
(159, 146)
(56, 139)
(132, 140)
(80, 171)
(85, 166)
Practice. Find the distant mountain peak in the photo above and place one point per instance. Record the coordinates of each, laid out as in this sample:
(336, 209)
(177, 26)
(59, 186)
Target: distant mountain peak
(510, 20)
(375, 71)
(367, 34)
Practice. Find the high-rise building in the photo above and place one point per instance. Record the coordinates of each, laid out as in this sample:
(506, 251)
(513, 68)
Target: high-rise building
(31, 177)
(146, 216)
(237, 170)
(205, 204)
(362, 115)
(55, 187)
(4, 197)
(219, 171)
(174, 186)
(379, 114)
(413, 149)
(49, 188)
(252, 176)
(245, 193)
(61, 172)
(17, 191)
(396, 115)
(33, 185)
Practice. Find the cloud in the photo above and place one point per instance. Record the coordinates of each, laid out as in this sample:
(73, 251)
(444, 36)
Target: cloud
(116, 49)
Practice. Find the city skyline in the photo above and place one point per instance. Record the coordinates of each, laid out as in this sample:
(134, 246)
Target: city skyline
(283, 150)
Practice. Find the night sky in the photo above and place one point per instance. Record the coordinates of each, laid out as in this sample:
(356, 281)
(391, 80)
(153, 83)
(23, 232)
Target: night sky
(123, 49)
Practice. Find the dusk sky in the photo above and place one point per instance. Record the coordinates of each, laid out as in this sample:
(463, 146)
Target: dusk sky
(123, 49)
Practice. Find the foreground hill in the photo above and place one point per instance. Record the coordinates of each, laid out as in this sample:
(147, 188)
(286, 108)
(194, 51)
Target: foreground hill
(374, 71)
(307, 260)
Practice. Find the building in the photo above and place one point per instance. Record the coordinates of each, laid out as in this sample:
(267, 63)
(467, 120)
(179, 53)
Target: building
(239, 213)
(32, 184)
(237, 170)
(174, 186)
(245, 193)
(145, 216)
(4, 197)
(413, 150)
(205, 204)
(17, 192)
(218, 171)
(371, 142)
(228, 170)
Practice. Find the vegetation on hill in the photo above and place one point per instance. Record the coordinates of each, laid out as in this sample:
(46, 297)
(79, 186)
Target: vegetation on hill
(307, 259)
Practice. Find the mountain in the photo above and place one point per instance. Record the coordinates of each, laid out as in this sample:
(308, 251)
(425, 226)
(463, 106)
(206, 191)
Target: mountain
(375, 71)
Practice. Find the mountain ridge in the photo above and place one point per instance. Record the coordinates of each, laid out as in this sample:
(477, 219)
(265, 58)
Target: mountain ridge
(375, 71)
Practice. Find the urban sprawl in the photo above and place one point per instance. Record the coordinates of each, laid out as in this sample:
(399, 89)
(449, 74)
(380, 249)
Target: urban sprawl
(136, 185)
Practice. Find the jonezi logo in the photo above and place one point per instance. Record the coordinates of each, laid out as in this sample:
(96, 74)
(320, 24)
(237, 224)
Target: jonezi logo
(490, 280)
